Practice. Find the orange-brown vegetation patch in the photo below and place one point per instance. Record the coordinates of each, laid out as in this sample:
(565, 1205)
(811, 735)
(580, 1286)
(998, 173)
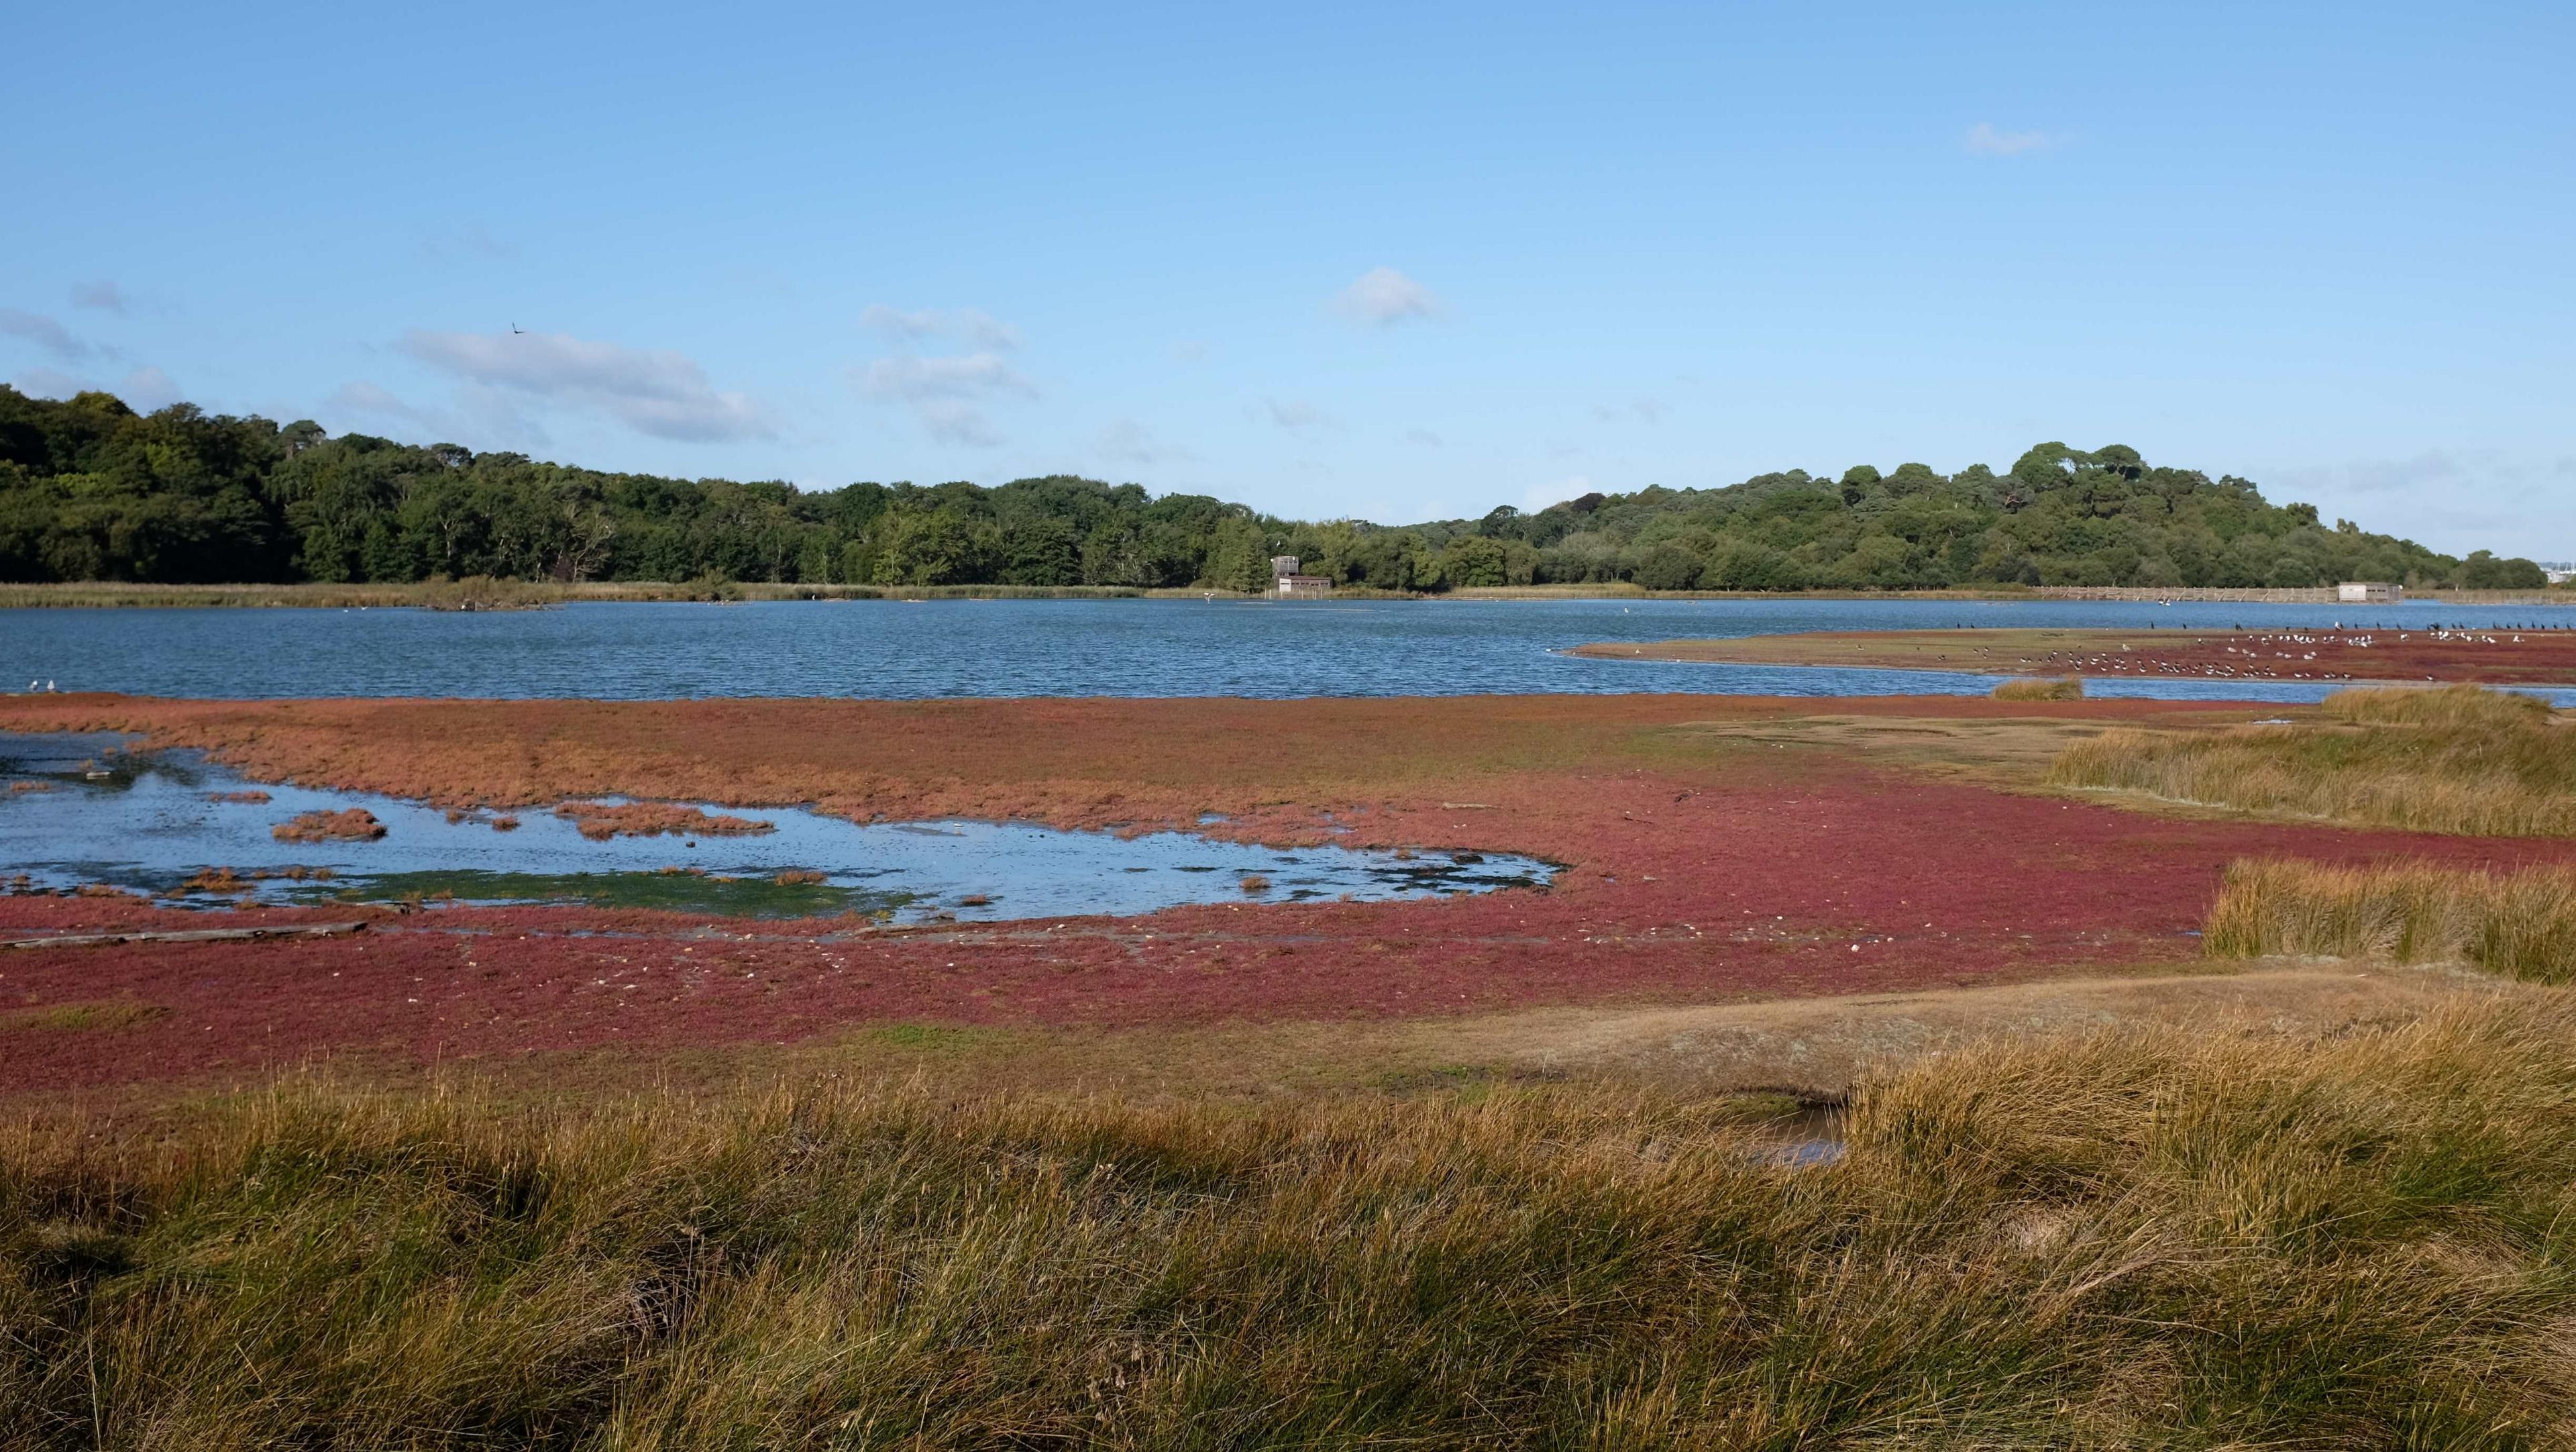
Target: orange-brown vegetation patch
(252, 798)
(31, 786)
(1700, 866)
(799, 877)
(2492, 657)
(354, 824)
(218, 880)
(600, 821)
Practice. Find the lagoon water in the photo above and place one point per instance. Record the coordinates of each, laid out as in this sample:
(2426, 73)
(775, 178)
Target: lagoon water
(1129, 647)
(150, 823)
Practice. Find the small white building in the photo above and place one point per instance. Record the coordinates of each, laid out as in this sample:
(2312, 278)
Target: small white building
(2369, 592)
(1304, 585)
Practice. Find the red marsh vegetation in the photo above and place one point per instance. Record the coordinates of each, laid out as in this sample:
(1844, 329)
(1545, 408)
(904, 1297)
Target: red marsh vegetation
(1700, 866)
(2492, 657)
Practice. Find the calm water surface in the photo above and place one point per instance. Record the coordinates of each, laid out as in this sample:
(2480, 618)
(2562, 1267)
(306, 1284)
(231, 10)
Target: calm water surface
(944, 648)
(153, 822)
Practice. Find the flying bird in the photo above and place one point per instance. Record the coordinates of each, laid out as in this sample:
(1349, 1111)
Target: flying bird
(515, 328)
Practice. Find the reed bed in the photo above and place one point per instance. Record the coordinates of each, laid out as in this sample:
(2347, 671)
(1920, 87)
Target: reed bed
(2521, 924)
(2458, 760)
(2040, 688)
(2121, 1240)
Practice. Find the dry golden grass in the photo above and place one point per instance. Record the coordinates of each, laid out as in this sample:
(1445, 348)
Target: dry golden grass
(2040, 688)
(2522, 924)
(2166, 1238)
(2459, 760)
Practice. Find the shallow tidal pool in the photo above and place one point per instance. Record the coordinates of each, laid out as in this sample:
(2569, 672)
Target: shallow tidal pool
(76, 810)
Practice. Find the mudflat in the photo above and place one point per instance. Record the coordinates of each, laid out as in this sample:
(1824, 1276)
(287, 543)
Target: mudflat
(2484, 656)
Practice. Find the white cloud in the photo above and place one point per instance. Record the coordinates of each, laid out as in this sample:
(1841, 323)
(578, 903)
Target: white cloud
(1425, 437)
(103, 295)
(968, 375)
(655, 391)
(45, 333)
(1190, 350)
(978, 327)
(1382, 297)
(148, 388)
(1984, 140)
(1295, 415)
(942, 392)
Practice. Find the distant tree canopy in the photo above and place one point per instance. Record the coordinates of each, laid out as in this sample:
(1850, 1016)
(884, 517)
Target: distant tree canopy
(91, 490)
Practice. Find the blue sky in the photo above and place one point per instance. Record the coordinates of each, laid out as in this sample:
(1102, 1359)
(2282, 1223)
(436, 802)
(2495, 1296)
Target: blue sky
(1395, 262)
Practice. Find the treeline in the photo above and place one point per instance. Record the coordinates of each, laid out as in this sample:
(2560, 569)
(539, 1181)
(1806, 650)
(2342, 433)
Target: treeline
(90, 490)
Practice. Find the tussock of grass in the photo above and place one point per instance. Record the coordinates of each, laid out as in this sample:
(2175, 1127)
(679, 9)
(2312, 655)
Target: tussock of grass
(2460, 760)
(2040, 688)
(2453, 706)
(2521, 924)
(2160, 1239)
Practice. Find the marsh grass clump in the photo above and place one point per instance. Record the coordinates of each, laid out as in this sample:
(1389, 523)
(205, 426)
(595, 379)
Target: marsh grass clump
(2040, 688)
(2158, 1238)
(2465, 706)
(352, 824)
(2521, 924)
(2459, 760)
(221, 881)
(600, 821)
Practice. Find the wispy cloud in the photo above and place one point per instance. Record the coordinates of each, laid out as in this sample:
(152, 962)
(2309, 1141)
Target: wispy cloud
(1295, 415)
(1985, 139)
(1540, 496)
(1644, 410)
(656, 391)
(1126, 441)
(1190, 350)
(944, 393)
(1383, 297)
(486, 417)
(45, 333)
(977, 327)
(103, 295)
(1424, 437)
(148, 388)
(46, 383)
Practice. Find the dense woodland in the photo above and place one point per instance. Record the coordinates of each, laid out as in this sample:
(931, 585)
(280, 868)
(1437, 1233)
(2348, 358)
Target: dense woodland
(90, 490)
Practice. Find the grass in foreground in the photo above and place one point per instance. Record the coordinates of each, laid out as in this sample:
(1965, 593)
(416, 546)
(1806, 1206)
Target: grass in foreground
(2520, 924)
(2458, 759)
(2166, 1239)
(2040, 688)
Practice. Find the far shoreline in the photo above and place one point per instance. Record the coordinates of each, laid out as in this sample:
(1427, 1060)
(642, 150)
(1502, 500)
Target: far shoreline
(482, 594)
